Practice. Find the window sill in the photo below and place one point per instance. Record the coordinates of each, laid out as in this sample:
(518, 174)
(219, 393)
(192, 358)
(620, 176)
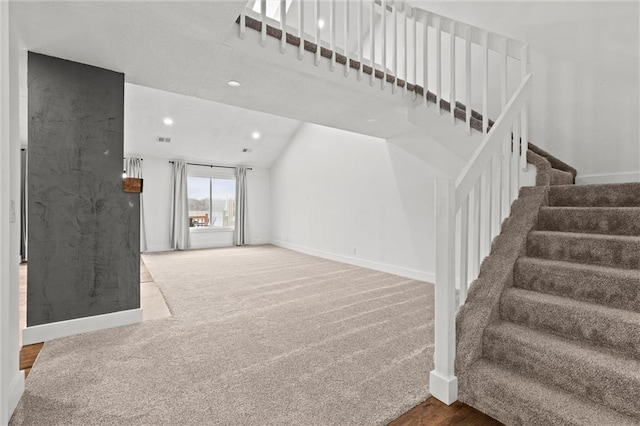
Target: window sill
(205, 229)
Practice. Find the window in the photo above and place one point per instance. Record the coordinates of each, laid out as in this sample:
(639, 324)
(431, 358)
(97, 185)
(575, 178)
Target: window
(212, 202)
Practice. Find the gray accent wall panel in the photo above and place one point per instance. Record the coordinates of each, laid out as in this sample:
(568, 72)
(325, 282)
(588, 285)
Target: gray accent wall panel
(84, 231)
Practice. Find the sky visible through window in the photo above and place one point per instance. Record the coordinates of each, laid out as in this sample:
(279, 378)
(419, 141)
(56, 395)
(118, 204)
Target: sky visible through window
(211, 205)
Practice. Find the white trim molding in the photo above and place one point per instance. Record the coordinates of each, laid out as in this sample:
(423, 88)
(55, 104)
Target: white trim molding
(16, 389)
(364, 263)
(54, 330)
(608, 178)
(443, 388)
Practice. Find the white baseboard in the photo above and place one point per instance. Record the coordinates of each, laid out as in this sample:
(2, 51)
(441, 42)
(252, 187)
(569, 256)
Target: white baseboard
(259, 241)
(364, 263)
(54, 330)
(16, 389)
(156, 248)
(608, 178)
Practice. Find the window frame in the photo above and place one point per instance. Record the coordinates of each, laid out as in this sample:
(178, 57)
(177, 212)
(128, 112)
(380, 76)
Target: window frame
(211, 173)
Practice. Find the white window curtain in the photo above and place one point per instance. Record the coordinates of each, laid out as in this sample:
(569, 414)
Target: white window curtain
(179, 234)
(241, 205)
(133, 168)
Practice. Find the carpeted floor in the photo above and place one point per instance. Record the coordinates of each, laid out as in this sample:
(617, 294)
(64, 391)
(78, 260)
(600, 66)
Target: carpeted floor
(259, 335)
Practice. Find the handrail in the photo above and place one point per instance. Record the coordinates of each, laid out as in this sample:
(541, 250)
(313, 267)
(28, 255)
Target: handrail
(482, 155)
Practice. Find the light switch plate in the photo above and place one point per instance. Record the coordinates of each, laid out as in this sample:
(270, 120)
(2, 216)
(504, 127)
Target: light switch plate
(12, 213)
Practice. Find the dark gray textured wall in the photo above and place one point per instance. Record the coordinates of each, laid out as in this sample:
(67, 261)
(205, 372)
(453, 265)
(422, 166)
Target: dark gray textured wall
(84, 231)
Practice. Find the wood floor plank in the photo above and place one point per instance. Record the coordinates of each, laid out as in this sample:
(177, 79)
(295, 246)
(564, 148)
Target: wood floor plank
(28, 355)
(435, 413)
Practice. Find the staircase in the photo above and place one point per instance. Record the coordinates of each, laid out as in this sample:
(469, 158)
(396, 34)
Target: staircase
(565, 348)
(549, 333)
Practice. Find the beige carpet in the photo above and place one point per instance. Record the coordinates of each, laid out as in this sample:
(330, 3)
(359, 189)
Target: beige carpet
(259, 335)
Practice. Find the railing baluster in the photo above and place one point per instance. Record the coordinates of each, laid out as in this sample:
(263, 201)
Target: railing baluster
(496, 166)
(283, 25)
(464, 250)
(359, 38)
(383, 16)
(406, 49)
(485, 212)
(506, 176)
(524, 58)
(394, 47)
(243, 24)
(425, 57)
(452, 65)
(515, 178)
(438, 64)
(301, 28)
(316, 8)
(372, 36)
(332, 32)
(485, 82)
(415, 48)
(474, 253)
(468, 79)
(346, 37)
(263, 18)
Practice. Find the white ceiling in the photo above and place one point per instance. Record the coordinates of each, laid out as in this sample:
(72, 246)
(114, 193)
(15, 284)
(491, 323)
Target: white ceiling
(192, 48)
(202, 130)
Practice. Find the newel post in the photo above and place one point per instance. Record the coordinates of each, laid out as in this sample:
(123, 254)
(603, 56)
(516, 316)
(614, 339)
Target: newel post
(443, 384)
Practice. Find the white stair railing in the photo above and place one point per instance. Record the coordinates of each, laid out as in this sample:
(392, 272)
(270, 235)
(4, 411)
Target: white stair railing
(488, 182)
(388, 36)
(393, 37)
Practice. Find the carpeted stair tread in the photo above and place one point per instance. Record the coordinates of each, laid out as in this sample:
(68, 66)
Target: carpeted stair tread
(560, 177)
(615, 287)
(576, 367)
(596, 220)
(518, 400)
(610, 328)
(620, 251)
(603, 195)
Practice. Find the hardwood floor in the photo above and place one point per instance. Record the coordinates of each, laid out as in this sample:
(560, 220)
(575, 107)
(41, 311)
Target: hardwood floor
(28, 355)
(435, 413)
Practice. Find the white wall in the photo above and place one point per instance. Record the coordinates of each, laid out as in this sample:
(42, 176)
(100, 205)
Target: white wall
(157, 206)
(354, 198)
(584, 58)
(11, 379)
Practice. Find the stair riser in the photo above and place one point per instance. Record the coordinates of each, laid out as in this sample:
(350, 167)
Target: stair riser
(620, 290)
(617, 253)
(559, 177)
(501, 394)
(606, 386)
(596, 221)
(622, 195)
(575, 321)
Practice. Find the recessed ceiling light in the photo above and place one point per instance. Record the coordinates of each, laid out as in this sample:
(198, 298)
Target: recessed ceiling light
(371, 120)
(320, 23)
(233, 83)
(255, 135)
(168, 121)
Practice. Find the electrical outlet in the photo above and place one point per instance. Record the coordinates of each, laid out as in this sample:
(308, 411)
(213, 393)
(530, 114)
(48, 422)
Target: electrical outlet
(354, 250)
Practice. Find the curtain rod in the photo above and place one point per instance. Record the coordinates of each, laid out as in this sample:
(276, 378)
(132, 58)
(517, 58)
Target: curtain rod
(212, 165)
(124, 158)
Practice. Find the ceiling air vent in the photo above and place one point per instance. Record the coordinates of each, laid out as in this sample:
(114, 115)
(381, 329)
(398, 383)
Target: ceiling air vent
(163, 139)
(246, 150)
